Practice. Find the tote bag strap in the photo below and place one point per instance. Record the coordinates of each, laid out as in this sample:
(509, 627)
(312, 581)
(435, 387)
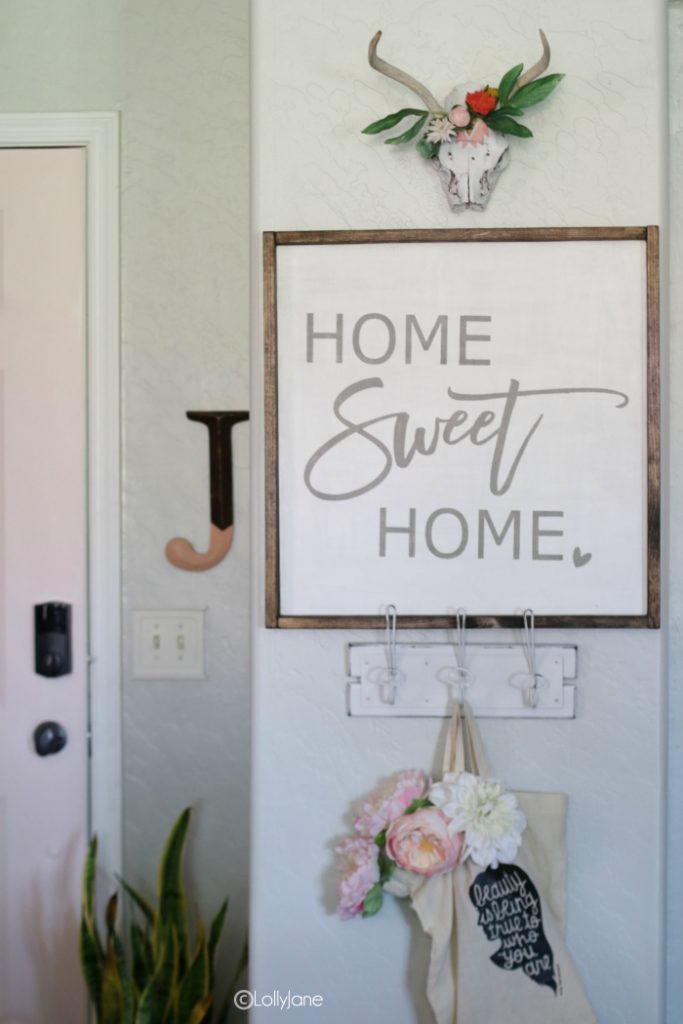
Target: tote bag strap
(464, 750)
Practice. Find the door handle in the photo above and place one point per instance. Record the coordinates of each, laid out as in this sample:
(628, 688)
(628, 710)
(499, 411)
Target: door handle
(49, 738)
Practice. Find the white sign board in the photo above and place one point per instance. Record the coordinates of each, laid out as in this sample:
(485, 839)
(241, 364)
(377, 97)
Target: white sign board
(460, 423)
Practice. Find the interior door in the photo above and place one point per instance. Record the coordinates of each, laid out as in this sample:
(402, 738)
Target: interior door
(43, 545)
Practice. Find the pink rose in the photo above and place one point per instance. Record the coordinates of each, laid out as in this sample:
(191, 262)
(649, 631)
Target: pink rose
(360, 871)
(460, 117)
(420, 843)
(389, 802)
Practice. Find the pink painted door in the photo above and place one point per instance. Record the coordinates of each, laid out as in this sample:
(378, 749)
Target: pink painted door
(43, 544)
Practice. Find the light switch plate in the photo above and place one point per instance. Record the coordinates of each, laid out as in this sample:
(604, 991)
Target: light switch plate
(168, 644)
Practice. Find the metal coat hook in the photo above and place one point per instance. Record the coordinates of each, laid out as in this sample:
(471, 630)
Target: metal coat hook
(459, 675)
(390, 644)
(388, 676)
(531, 681)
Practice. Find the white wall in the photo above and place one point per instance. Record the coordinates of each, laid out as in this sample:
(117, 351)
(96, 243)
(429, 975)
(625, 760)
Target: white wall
(598, 159)
(675, 820)
(178, 73)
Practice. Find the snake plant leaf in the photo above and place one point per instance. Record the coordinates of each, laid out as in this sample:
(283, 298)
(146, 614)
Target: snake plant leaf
(409, 134)
(112, 1000)
(88, 886)
(155, 1001)
(142, 957)
(507, 81)
(127, 990)
(196, 985)
(171, 899)
(143, 905)
(391, 120)
(110, 918)
(228, 1003)
(91, 962)
(215, 932)
(199, 1014)
(536, 91)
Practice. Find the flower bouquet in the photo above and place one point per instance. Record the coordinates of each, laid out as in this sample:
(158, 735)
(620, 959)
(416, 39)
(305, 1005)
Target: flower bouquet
(426, 829)
(481, 866)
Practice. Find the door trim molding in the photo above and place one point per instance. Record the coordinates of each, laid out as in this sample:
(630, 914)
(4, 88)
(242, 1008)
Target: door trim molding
(98, 134)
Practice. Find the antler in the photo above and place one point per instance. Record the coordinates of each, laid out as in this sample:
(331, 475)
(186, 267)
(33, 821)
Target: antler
(536, 70)
(400, 76)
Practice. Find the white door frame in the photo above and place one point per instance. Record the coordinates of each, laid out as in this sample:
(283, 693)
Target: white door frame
(98, 134)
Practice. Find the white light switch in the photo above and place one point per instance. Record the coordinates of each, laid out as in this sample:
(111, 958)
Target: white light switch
(168, 644)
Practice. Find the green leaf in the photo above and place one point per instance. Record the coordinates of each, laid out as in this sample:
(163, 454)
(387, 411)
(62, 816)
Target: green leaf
(91, 962)
(110, 917)
(156, 999)
(409, 134)
(112, 1003)
(172, 903)
(507, 81)
(418, 804)
(215, 932)
(142, 957)
(508, 126)
(387, 866)
(88, 889)
(143, 905)
(381, 838)
(201, 1010)
(536, 91)
(427, 149)
(195, 985)
(373, 901)
(236, 979)
(390, 121)
(222, 1015)
(508, 109)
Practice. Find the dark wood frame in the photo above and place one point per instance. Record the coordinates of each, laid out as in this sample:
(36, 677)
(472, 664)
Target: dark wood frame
(271, 240)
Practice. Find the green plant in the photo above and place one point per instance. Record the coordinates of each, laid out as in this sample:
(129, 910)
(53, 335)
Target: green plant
(160, 978)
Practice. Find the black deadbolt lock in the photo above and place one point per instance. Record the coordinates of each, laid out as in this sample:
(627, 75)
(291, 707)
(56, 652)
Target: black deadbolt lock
(53, 639)
(49, 738)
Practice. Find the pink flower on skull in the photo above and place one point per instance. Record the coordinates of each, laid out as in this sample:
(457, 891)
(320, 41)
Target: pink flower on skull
(360, 871)
(389, 802)
(420, 843)
(460, 117)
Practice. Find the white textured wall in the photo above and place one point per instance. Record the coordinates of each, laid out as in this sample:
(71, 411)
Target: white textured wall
(675, 837)
(598, 158)
(178, 72)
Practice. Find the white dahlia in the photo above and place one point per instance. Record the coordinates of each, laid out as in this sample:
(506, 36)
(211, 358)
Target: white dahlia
(485, 812)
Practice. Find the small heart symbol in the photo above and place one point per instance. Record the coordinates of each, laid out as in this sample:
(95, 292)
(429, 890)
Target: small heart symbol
(580, 559)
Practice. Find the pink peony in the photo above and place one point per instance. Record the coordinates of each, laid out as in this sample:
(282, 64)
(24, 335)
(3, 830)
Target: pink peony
(460, 117)
(389, 802)
(420, 843)
(360, 871)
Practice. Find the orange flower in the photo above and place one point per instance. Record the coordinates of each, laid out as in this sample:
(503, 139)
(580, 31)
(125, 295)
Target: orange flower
(481, 102)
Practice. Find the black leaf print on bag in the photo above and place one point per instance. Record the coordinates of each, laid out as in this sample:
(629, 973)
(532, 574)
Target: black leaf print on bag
(509, 910)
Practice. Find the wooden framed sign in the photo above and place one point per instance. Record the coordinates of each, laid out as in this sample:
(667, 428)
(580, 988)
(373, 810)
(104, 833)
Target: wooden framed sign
(462, 419)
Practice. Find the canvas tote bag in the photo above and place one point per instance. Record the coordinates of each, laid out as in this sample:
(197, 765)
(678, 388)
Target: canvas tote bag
(498, 953)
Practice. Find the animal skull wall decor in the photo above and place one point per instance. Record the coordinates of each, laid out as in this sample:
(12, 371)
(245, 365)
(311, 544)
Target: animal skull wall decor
(466, 139)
